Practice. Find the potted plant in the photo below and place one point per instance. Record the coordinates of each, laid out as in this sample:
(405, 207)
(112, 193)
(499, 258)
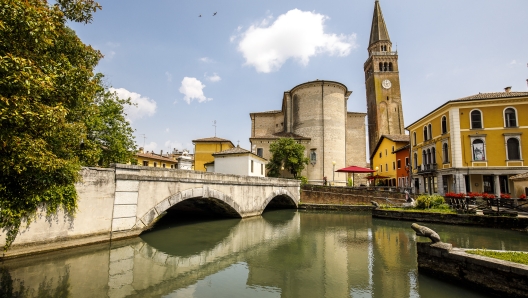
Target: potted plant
(522, 197)
(505, 196)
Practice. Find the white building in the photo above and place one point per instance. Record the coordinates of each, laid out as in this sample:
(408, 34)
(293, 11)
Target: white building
(238, 161)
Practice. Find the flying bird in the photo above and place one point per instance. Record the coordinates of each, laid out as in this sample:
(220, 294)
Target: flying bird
(200, 16)
(214, 14)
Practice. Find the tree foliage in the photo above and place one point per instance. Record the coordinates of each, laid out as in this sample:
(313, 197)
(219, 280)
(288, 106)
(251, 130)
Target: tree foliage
(55, 114)
(287, 153)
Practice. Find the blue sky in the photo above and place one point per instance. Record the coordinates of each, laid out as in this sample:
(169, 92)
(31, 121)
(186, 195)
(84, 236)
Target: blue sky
(186, 71)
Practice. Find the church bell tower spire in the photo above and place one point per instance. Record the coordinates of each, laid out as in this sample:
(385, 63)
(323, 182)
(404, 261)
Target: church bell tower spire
(382, 82)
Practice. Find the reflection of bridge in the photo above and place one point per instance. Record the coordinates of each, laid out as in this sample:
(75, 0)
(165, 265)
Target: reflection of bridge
(124, 201)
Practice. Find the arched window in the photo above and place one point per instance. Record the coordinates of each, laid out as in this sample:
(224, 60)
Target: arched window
(424, 157)
(478, 150)
(385, 67)
(429, 131)
(476, 119)
(433, 154)
(428, 156)
(415, 160)
(390, 66)
(514, 152)
(510, 119)
(414, 138)
(445, 153)
(425, 133)
(444, 124)
(381, 66)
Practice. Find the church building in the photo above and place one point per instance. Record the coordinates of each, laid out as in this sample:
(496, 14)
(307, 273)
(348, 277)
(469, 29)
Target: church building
(315, 115)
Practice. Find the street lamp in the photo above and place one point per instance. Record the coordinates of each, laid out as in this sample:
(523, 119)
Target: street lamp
(333, 172)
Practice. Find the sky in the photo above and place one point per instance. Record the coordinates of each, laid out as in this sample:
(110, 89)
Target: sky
(185, 72)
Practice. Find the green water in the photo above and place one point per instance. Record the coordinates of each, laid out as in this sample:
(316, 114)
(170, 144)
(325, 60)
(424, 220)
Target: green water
(284, 253)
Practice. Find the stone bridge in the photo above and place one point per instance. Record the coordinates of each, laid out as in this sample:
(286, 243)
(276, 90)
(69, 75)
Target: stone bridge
(125, 200)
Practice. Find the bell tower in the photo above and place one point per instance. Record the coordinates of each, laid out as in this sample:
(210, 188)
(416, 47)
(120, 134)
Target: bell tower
(382, 82)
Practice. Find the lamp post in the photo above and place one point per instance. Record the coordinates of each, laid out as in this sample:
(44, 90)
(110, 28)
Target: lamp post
(333, 172)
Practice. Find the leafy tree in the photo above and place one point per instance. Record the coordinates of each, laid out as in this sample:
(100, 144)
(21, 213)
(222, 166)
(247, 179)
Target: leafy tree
(55, 114)
(287, 153)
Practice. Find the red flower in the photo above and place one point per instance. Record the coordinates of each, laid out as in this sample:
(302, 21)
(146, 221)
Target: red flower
(505, 196)
(522, 197)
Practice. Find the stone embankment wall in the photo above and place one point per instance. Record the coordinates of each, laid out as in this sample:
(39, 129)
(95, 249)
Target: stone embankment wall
(501, 278)
(334, 195)
(502, 222)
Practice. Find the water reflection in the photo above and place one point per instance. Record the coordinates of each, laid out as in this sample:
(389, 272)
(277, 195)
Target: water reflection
(281, 254)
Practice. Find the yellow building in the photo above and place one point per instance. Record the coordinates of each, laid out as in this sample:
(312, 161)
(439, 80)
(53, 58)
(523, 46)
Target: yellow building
(383, 158)
(471, 144)
(151, 159)
(204, 149)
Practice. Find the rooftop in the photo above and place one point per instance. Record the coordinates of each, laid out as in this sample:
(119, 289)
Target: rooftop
(211, 139)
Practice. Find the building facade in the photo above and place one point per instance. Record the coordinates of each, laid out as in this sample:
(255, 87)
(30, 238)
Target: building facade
(403, 166)
(151, 159)
(382, 82)
(239, 161)
(315, 115)
(471, 144)
(205, 148)
(384, 159)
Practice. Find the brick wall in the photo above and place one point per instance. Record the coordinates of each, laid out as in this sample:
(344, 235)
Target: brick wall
(332, 195)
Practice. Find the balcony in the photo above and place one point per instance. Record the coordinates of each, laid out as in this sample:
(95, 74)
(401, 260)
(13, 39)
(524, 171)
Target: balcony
(429, 168)
(385, 53)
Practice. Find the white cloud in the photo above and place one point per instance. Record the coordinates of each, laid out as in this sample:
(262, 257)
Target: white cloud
(169, 76)
(110, 55)
(192, 89)
(150, 146)
(213, 78)
(296, 34)
(144, 106)
(206, 60)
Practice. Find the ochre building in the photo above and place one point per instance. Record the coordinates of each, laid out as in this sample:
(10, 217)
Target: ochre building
(204, 149)
(315, 115)
(385, 160)
(471, 144)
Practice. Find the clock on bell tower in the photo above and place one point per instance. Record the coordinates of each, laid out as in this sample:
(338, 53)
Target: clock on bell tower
(382, 82)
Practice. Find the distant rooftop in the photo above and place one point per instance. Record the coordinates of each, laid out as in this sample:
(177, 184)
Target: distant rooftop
(211, 139)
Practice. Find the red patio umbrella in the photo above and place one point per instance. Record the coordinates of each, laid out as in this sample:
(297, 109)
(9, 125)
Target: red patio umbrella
(355, 169)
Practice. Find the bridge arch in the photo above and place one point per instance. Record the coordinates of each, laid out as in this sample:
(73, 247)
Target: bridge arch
(226, 202)
(281, 192)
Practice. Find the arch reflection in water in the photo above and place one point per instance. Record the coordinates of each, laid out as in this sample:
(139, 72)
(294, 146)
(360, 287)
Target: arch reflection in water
(281, 254)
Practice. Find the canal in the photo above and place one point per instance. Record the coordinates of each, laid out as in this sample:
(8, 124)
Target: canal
(284, 253)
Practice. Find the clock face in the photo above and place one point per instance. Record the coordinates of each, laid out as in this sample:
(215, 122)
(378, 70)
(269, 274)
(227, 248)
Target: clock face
(386, 84)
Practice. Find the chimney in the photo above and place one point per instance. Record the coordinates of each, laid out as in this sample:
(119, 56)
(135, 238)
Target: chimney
(140, 149)
(507, 89)
(161, 153)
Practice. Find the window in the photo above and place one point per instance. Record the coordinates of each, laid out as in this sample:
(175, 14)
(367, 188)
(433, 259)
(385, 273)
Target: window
(260, 152)
(433, 153)
(390, 66)
(392, 148)
(172, 166)
(381, 168)
(407, 162)
(162, 165)
(415, 160)
(414, 138)
(476, 119)
(394, 165)
(387, 167)
(478, 150)
(510, 119)
(444, 124)
(145, 163)
(385, 152)
(429, 131)
(251, 166)
(399, 163)
(445, 153)
(313, 157)
(380, 154)
(155, 164)
(514, 152)
(429, 156)
(425, 133)
(424, 157)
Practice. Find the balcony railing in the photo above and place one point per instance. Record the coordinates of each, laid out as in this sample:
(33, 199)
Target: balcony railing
(385, 53)
(428, 168)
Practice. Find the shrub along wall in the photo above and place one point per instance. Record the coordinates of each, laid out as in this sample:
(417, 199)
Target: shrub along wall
(335, 195)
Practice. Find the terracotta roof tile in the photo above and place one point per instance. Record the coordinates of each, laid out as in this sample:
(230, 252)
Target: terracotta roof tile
(235, 150)
(522, 176)
(492, 95)
(155, 156)
(211, 139)
(268, 112)
(397, 138)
